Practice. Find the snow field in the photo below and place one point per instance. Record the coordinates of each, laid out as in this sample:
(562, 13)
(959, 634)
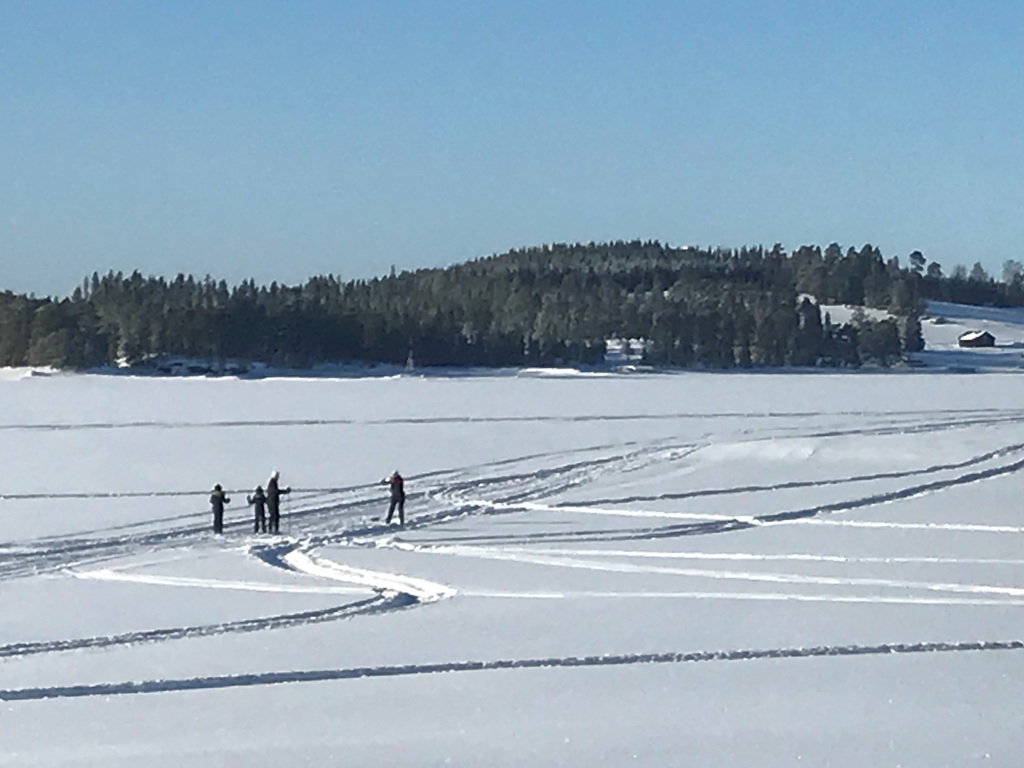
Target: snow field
(667, 570)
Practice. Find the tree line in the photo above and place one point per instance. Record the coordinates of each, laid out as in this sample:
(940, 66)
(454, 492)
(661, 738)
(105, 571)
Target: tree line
(549, 305)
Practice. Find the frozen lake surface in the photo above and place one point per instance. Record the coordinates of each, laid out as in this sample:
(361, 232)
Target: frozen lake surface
(689, 569)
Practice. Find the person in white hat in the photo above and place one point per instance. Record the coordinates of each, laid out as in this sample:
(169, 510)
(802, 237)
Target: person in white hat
(274, 493)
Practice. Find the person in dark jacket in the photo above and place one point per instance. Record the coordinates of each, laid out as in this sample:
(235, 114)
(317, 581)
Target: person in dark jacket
(274, 494)
(397, 497)
(258, 501)
(217, 501)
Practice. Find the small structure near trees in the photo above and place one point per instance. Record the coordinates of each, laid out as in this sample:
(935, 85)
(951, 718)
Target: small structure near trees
(976, 339)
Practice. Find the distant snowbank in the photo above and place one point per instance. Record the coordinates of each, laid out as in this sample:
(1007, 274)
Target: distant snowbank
(563, 372)
(15, 374)
(189, 368)
(1011, 316)
(841, 314)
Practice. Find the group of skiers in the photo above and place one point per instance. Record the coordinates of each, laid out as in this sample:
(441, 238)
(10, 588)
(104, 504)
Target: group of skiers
(267, 504)
(261, 501)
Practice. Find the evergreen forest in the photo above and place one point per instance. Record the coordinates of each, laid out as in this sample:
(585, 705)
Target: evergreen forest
(550, 305)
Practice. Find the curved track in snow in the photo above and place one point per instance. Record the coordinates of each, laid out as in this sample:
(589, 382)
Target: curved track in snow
(343, 516)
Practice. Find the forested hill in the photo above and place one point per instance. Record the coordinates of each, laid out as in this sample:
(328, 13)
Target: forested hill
(550, 305)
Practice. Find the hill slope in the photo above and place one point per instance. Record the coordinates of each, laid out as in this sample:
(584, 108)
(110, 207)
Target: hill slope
(945, 322)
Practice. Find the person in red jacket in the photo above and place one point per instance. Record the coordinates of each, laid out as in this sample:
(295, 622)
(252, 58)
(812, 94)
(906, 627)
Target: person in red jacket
(397, 497)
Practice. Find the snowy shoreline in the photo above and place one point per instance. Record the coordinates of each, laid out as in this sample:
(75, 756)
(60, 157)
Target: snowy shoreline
(942, 326)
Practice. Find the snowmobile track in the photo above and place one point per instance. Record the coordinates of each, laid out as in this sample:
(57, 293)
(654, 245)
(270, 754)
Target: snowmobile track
(611, 660)
(368, 606)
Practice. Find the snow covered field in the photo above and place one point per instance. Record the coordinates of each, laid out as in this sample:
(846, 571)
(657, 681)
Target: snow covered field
(947, 321)
(690, 569)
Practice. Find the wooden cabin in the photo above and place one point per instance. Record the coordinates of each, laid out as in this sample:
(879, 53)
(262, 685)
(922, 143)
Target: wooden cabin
(976, 339)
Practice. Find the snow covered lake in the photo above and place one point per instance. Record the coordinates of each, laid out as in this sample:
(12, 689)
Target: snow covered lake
(666, 570)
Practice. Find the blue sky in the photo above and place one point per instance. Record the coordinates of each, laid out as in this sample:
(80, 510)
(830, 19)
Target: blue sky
(277, 140)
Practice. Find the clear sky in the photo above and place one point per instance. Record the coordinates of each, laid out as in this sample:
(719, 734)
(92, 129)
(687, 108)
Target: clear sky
(277, 140)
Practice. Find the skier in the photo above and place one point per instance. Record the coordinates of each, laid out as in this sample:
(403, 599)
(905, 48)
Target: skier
(397, 497)
(217, 501)
(259, 502)
(274, 494)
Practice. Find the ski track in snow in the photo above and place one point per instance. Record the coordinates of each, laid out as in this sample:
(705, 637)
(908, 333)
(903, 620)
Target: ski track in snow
(612, 660)
(708, 573)
(706, 524)
(187, 581)
(795, 484)
(342, 516)
(368, 606)
(975, 415)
